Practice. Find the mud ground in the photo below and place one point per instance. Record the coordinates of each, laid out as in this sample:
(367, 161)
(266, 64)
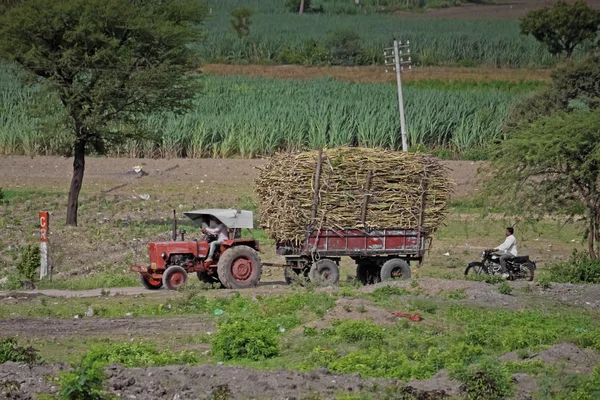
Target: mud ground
(19, 381)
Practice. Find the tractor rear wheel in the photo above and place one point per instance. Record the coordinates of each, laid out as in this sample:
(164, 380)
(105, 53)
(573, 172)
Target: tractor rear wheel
(150, 283)
(174, 277)
(239, 267)
(395, 268)
(324, 272)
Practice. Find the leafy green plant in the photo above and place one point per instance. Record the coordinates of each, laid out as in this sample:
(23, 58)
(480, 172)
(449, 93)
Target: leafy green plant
(347, 292)
(384, 293)
(458, 294)
(10, 350)
(29, 262)
(505, 288)
(243, 338)
(137, 355)
(545, 282)
(83, 383)
(345, 46)
(580, 268)
(488, 380)
(354, 331)
(424, 305)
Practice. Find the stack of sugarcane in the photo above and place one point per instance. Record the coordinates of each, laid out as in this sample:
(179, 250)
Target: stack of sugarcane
(345, 188)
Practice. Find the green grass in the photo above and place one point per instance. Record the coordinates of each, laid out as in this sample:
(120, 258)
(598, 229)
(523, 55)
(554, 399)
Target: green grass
(278, 36)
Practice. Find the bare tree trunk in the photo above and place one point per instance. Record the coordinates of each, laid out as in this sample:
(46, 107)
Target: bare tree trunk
(76, 181)
(301, 7)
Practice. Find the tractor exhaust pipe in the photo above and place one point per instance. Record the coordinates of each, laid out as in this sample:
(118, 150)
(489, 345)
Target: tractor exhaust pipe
(174, 225)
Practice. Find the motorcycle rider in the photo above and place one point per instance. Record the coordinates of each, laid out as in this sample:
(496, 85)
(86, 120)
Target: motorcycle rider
(507, 250)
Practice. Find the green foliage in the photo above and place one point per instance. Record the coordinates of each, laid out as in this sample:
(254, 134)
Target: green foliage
(532, 367)
(313, 113)
(347, 292)
(345, 47)
(355, 331)
(383, 293)
(29, 262)
(137, 355)
(552, 166)
(10, 350)
(488, 380)
(545, 282)
(246, 339)
(505, 288)
(1, 195)
(567, 386)
(84, 383)
(580, 268)
(563, 27)
(241, 21)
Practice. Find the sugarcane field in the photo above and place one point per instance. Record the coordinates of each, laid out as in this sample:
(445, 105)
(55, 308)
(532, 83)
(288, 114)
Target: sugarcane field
(300, 199)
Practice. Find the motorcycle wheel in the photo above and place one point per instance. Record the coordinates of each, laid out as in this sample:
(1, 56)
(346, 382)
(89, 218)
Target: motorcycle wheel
(475, 268)
(527, 270)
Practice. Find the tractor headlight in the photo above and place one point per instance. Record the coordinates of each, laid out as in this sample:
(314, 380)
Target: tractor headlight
(164, 256)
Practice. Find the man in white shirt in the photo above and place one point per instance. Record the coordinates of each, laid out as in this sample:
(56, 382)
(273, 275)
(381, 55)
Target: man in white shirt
(508, 249)
(222, 234)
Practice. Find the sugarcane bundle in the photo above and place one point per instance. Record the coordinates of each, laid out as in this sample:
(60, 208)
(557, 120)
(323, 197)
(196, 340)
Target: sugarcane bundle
(346, 187)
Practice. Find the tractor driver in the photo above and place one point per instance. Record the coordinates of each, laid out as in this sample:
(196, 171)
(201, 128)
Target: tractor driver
(221, 233)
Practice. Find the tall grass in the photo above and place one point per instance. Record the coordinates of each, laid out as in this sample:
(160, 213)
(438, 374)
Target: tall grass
(276, 34)
(250, 117)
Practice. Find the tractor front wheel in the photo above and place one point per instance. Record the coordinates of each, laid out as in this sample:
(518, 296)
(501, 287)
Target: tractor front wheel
(174, 277)
(151, 283)
(239, 268)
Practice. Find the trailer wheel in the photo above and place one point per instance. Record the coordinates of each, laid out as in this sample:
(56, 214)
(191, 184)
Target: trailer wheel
(367, 273)
(239, 268)
(150, 283)
(174, 277)
(324, 272)
(395, 268)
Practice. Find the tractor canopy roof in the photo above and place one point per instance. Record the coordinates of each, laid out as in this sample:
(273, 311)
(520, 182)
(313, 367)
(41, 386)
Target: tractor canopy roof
(232, 219)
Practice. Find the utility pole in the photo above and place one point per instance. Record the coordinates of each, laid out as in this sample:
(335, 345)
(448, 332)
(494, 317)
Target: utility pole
(393, 56)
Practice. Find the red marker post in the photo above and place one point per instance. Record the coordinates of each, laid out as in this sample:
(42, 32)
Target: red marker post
(44, 222)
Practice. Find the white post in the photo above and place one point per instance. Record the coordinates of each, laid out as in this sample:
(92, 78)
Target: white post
(44, 221)
(400, 100)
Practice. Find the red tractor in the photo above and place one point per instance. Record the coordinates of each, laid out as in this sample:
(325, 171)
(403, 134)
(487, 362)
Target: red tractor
(236, 264)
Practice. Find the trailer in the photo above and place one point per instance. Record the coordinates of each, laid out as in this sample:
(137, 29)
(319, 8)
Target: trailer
(379, 254)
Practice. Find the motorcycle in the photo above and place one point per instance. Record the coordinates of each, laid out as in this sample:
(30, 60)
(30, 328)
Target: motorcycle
(517, 268)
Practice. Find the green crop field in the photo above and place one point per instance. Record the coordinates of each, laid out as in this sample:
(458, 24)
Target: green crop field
(280, 36)
(249, 117)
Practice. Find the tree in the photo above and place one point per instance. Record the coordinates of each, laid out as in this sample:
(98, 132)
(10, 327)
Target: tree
(553, 166)
(241, 21)
(563, 27)
(109, 61)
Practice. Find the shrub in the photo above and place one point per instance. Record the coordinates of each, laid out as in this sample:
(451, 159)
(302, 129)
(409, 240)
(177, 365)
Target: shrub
(11, 351)
(355, 331)
(345, 47)
(137, 355)
(580, 268)
(488, 380)
(29, 262)
(384, 293)
(505, 288)
(84, 383)
(254, 340)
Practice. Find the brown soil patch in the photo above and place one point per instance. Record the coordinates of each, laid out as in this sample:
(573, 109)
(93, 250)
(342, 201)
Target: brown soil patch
(571, 357)
(511, 9)
(54, 328)
(356, 309)
(377, 73)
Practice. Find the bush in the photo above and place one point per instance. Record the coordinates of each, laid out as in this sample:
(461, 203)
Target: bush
(254, 340)
(581, 268)
(345, 47)
(29, 262)
(355, 331)
(505, 288)
(136, 355)
(11, 351)
(241, 21)
(488, 380)
(84, 383)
